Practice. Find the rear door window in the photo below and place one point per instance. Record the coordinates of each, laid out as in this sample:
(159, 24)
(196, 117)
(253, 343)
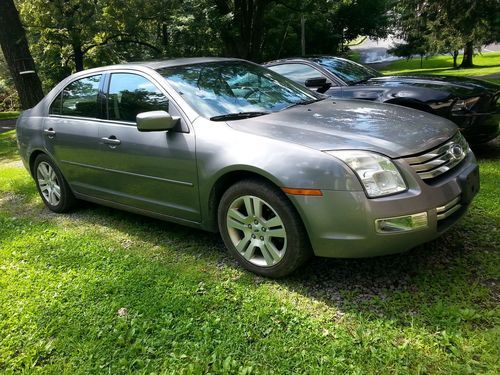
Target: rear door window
(79, 98)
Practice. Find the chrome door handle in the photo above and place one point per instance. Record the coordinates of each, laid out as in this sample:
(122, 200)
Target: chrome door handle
(50, 132)
(113, 141)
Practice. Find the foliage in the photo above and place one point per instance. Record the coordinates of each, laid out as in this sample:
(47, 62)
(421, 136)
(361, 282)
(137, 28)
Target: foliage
(9, 99)
(69, 35)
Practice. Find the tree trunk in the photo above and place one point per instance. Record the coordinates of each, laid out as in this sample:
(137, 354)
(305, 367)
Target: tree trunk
(164, 36)
(302, 35)
(455, 56)
(226, 29)
(77, 55)
(468, 53)
(248, 16)
(257, 30)
(18, 57)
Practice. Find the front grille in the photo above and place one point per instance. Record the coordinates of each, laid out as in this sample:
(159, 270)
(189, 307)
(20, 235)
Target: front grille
(448, 209)
(441, 159)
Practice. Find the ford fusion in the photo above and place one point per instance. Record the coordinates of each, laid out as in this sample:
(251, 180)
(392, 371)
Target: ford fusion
(229, 146)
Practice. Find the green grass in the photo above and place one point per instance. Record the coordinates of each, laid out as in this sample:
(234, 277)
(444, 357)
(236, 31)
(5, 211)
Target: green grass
(102, 291)
(354, 55)
(486, 64)
(9, 115)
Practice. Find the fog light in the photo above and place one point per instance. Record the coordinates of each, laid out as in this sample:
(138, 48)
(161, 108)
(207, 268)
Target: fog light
(401, 223)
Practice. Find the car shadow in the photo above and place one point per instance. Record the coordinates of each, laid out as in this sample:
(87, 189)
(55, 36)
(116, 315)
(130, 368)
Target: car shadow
(432, 279)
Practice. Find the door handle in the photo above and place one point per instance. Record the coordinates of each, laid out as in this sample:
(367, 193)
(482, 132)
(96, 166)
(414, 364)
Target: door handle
(50, 132)
(112, 140)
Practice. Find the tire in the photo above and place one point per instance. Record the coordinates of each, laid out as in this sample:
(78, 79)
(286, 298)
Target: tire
(271, 240)
(51, 185)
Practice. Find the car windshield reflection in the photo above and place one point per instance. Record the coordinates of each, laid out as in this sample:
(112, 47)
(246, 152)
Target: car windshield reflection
(233, 87)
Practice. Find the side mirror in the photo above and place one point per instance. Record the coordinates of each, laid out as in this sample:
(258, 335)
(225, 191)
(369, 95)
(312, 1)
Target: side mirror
(319, 83)
(315, 82)
(154, 121)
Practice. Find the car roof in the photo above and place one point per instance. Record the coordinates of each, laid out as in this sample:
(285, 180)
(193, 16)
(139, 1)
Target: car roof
(155, 64)
(305, 58)
(160, 64)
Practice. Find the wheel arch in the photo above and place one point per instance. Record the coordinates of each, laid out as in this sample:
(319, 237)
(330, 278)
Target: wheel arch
(224, 181)
(32, 158)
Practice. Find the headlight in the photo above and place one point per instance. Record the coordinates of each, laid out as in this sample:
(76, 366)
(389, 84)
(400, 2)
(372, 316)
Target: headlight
(377, 173)
(462, 105)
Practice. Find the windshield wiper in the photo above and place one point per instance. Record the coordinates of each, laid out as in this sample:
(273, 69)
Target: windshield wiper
(360, 81)
(237, 116)
(305, 102)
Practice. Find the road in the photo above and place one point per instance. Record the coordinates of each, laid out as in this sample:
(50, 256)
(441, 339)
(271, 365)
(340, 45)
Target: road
(6, 125)
(375, 51)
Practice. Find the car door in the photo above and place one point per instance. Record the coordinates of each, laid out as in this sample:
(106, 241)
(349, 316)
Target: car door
(71, 133)
(153, 171)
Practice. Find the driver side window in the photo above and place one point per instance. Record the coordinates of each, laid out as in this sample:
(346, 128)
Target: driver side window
(298, 72)
(131, 94)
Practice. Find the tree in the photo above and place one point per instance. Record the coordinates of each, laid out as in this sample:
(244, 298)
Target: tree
(241, 26)
(17, 55)
(360, 17)
(75, 30)
(414, 45)
(329, 25)
(71, 35)
(450, 24)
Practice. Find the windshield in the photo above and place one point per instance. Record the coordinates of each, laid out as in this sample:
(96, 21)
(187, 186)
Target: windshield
(348, 71)
(234, 87)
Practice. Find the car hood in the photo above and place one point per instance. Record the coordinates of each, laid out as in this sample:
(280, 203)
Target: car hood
(457, 86)
(352, 124)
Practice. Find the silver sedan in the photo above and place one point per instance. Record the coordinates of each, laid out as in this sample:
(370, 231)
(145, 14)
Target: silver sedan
(228, 146)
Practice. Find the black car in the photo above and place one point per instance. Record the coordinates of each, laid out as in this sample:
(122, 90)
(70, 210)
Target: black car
(474, 105)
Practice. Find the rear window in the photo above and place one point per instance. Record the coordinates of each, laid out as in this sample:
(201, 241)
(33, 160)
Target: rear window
(78, 99)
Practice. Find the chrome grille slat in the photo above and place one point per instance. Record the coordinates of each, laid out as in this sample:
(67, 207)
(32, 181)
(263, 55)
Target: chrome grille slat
(443, 158)
(440, 159)
(429, 155)
(442, 209)
(448, 209)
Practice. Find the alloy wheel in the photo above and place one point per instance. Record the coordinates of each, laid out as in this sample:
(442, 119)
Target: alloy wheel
(256, 231)
(48, 183)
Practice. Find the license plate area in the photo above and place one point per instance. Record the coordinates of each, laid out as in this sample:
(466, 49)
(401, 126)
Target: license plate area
(469, 183)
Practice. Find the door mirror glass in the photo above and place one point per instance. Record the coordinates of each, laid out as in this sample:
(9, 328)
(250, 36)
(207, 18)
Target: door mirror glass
(315, 82)
(319, 83)
(153, 121)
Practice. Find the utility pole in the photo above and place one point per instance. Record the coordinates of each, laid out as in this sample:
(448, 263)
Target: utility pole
(303, 34)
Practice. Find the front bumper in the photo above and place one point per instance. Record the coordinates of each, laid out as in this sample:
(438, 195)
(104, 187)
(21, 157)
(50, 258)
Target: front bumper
(342, 224)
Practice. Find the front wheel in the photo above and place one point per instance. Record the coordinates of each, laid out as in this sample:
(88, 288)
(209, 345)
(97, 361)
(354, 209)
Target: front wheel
(261, 228)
